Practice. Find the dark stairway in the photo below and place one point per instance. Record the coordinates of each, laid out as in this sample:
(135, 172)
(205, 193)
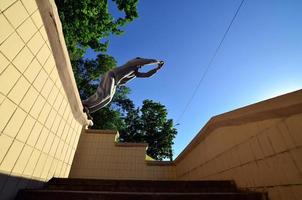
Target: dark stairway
(59, 188)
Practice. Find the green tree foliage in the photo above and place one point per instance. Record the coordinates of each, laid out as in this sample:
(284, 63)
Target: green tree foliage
(86, 22)
(150, 124)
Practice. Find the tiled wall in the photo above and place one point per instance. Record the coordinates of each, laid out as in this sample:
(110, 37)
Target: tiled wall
(98, 156)
(38, 131)
(263, 154)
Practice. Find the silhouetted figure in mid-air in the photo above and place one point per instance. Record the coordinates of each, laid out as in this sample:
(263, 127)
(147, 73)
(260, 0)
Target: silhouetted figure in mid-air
(115, 77)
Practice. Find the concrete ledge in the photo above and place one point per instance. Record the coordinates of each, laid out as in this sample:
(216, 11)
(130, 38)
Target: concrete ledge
(281, 106)
(95, 131)
(52, 23)
(160, 163)
(131, 144)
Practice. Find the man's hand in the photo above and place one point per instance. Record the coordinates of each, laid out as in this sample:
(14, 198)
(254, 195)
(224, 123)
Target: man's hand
(160, 64)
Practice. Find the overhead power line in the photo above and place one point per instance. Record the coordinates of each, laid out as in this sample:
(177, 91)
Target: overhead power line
(210, 62)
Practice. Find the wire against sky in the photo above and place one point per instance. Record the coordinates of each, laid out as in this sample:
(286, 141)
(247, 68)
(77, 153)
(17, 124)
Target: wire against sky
(210, 62)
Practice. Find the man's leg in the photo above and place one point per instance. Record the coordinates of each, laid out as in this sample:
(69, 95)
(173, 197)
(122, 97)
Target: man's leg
(109, 93)
(102, 95)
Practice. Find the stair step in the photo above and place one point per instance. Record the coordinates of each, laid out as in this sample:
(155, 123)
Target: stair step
(93, 195)
(140, 185)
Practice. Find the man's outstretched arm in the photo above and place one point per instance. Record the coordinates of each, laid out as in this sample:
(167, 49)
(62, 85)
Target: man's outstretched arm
(149, 73)
(145, 74)
(140, 62)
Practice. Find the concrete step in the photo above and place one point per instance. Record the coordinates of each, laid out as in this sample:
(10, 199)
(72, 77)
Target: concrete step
(93, 195)
(140, 185)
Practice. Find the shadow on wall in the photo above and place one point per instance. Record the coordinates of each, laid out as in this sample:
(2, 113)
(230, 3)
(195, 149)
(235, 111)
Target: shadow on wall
(10, 185)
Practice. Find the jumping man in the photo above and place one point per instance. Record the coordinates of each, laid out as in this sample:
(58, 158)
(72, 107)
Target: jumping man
(115, 77)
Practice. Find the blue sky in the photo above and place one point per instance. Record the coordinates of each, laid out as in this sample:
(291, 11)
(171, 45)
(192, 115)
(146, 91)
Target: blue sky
(260, 58)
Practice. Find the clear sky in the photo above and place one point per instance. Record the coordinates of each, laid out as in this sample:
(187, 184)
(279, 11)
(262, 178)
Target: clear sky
(260, 58)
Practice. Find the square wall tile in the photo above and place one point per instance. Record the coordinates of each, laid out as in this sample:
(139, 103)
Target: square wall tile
(46, 167)
(39, 167)
(5, 32)
(23, 59)
(49, 65)
(32, 71)
(35, 43)
(63, 170)
(50, 118)
(4, 62)
(54, 75)
(48, 143)
(12, 46)
(37, 19)
(29, 169)
(265, 144)
(22, 161)
(61, 128)
(14, 19)
(40, 80)
(67, 171)
(44, 113)
(53, 95)
(71, 156)
(8, 79)
(8, 108)
(68, 155)
(15, 123)
(5, 143)
(64, 153)
(42, 139)
(37, 107)
(67, 112)
(26, 129)
(43, 54)
(4, 4)
(63, 107)
(29, 99)
(47, 88)
(53, 168)
(30, 5)
(19, 90)
(27, 30)
(54, 146)
(294, 126)
(65, 132)
(58, 102)
(56, 124)
(12, 156)
(58, 169)
(59, 150)
(2, 98)
(34, 135)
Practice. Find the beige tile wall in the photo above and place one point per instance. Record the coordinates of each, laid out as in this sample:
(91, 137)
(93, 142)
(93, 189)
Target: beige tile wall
(38, 132)
(98, 156)
(263, 155)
